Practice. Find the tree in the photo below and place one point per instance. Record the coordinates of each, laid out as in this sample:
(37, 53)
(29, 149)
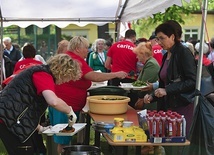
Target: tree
(144, 27)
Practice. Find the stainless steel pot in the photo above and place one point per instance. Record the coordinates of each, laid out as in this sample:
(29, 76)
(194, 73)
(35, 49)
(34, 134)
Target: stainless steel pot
(81, 150)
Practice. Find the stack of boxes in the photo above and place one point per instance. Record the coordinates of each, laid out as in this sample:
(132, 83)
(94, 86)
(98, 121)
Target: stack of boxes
(126, 133)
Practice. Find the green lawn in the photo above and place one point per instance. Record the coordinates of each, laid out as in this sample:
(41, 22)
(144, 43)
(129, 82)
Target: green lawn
(2, 149)
(103, 145)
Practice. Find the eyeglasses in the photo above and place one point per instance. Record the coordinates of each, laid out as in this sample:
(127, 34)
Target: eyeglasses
(160, 39)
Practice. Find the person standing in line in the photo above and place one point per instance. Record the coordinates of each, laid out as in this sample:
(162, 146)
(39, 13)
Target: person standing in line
(62, 46)
(177, 75)
(10, 51)
(156, 49)
(29, 53)
(7, 68)
(107, 45)
(97, 58)
(74, 93)
(149, 73)
(205, 60)
(211, 54)
(26, 98)
(121, 57)
(37, 56)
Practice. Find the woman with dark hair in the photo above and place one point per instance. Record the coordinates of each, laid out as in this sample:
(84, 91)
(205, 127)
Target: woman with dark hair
(177, 74)
(29, 53)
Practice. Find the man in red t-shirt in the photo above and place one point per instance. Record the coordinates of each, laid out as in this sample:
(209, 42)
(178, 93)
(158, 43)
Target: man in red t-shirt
(121, 57)
(157, 49)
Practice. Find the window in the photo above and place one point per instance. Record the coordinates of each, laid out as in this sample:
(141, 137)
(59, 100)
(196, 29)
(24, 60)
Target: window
(72, 33)
(191, 33)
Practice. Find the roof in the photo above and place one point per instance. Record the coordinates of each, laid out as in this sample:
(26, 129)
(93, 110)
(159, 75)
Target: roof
(80, 12)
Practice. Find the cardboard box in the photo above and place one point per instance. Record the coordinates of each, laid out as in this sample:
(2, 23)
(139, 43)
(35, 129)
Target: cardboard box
(167, 139)
(128, 134)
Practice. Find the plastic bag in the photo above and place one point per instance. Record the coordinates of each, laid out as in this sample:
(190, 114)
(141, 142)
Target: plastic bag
(202, 130)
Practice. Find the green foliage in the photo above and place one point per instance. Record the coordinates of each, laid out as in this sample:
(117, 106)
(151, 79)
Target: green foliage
(144, 27)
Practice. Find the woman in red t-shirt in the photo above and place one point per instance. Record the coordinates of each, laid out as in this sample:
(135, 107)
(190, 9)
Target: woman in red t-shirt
(59, 69)
(74, 93)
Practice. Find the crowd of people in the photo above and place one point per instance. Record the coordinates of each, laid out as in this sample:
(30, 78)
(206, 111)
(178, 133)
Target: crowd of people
(30, 84)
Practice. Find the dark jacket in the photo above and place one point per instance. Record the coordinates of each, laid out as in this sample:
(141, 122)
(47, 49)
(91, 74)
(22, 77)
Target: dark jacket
(14, 55)
(181, 68)
(8, 66)
(20, 106)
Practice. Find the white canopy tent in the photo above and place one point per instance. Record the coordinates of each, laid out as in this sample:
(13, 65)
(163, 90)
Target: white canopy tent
(80, 12)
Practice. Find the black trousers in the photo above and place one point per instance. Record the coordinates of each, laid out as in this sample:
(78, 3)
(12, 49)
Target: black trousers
(12, 143)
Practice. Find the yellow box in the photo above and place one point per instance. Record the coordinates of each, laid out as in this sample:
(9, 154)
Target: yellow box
(128, 134)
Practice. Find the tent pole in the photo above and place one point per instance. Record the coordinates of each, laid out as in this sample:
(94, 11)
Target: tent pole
(199, 68)
(1, 52)
(118, 30)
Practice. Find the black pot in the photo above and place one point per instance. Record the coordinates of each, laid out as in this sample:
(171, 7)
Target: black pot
(108, 90)
(81, 150)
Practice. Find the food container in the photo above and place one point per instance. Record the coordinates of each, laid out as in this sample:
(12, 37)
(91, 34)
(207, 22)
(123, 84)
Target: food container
(108, 104)
(118, 122)
(127, 124)
(103, 126)
(128, 134)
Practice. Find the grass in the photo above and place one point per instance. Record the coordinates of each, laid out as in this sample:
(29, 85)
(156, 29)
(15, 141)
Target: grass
(106, 150)
(2, 149)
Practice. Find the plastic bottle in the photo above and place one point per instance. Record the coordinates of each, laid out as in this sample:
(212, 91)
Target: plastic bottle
(163, 125)
(150, 123)
(156, 131)
(179, 122)
(167, 124)
(184, 125)
(172, 126)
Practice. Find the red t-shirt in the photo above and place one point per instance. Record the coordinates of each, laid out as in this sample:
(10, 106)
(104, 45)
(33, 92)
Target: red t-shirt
(74, 93)
(122, 56)
(23, 64)
(42, 81)
(157, 53)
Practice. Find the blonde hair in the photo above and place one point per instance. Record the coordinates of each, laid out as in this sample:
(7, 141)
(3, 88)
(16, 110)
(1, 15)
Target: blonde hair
(62, 46)
(78, 42)
(64, 68)
(144, 48)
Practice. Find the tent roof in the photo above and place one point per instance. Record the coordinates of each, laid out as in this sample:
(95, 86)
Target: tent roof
(80, 12)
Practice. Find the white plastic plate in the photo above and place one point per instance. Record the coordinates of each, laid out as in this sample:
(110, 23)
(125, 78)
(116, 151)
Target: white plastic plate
(98, 84)
(56, 128)
(128, 86)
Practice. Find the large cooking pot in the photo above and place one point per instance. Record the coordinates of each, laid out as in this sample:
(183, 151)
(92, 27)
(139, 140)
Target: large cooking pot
(108, 90)
(81, 150)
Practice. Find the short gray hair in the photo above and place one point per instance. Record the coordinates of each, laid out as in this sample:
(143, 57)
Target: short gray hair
(7, 39)
(94, 45)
